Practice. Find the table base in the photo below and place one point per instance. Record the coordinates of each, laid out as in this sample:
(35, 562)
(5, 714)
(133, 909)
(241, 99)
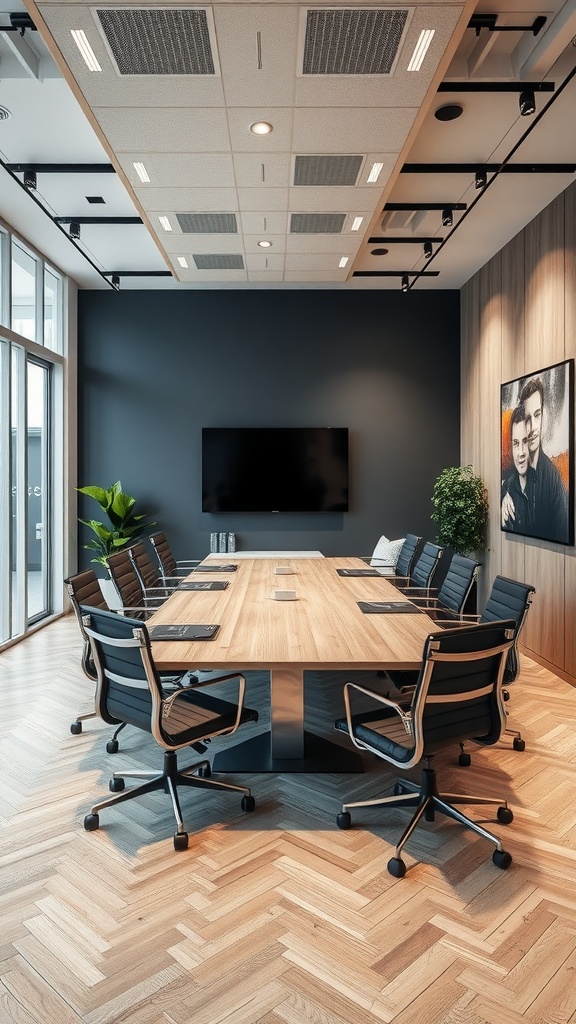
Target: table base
(320, 755)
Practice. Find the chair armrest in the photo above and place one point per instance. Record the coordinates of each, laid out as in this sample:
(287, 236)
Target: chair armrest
(168, 702)
(405, 716)
(188, 561)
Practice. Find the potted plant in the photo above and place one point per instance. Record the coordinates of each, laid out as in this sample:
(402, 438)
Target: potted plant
(460, 505)
(123, 526)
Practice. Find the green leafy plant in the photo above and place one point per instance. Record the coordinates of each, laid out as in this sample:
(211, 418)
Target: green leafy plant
(460, 505)
(124, 525)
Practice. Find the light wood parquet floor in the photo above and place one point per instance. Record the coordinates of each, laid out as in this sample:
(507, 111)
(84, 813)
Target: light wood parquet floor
(275, 916)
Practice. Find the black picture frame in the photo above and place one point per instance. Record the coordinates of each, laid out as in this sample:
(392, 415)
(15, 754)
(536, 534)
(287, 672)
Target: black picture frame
(537, 454)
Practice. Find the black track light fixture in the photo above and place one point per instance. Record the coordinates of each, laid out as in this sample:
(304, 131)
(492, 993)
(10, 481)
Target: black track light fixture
(447, 218)
(29, 180)
(405, 282)
(480, 178)
(115, 281)
(74, 229)
(427, 249)
(527, 102)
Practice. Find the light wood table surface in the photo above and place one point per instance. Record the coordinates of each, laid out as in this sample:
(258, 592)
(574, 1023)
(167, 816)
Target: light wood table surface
(323, 629)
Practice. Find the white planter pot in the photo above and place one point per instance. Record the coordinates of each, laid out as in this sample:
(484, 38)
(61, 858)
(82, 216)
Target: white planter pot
(110, 595)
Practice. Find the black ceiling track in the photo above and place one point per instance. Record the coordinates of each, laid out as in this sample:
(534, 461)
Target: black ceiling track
(406, 238)
(490, 22)
(396, 273)
(424, 206)
(137, 273)
(62, 168)
(97, 220)
(490, 168)
(478, 86)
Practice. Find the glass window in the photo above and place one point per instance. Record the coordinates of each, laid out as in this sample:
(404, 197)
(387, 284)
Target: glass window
(52, 310)
(4, 277)
(37, 517)
(23, 292)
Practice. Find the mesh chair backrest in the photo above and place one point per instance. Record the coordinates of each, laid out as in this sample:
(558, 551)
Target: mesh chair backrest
(125, 579)
(166, 559)
(426, 565)
(84, 588)
(147, 573)
(457, 583)
(407, 553)
(128, 700)
(444, 707)
(511, 600)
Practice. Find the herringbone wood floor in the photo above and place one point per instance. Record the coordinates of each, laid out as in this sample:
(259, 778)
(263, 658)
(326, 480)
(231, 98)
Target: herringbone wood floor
(275, 916)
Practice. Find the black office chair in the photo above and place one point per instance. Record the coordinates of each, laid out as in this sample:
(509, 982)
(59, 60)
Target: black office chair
(169, 566)
(507, 599)
(130, 690)
(422, 573)
(445, 606)
(84, 588)
(458, 696)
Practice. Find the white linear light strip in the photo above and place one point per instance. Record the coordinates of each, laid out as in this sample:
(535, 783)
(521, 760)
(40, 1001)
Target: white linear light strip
(356, 223)
(165, 223)
(141, 171)
(421, 49)
(81, 40)
(183, 262)
(374, 173)
(343, 261)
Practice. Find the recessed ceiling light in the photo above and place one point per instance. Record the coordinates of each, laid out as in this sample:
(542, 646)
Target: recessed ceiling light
(81, 40)
(375, 173)
(165, 223)
(356, 223)
(265, 244)
(343, 261)
(261, 128)
(379, 252)
(141, 171)
(183, 262)
(421, 49)
(449, 112)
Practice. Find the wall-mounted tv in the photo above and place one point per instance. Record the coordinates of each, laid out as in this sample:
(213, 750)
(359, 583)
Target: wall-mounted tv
(275, 469)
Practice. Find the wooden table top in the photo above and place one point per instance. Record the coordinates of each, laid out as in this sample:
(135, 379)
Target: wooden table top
(323, 629)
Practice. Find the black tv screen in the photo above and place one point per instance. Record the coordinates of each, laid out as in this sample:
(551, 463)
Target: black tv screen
(275, 469)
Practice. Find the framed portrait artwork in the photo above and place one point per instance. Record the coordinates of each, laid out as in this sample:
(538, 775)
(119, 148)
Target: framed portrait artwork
(537, 458)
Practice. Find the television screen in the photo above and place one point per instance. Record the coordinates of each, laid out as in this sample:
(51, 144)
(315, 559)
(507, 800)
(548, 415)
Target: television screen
(275, 469)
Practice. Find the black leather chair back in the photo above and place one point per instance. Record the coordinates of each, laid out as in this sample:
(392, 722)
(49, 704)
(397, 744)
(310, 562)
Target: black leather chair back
(509, 599)
(426, 565)
(457, 584)
(407, 555)
(126, 699)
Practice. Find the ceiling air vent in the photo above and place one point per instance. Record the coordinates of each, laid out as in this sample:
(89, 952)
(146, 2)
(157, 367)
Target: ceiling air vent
(4, 113)
(327, 170)
(158, 42)
(218, 261)
(352, 42)
(316, 223)
(208, 223)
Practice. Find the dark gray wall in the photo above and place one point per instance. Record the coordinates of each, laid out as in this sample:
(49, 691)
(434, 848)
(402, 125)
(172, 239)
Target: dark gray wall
(155, 367)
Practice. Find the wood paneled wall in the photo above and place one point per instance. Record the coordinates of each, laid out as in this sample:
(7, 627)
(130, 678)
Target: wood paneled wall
(519, 315)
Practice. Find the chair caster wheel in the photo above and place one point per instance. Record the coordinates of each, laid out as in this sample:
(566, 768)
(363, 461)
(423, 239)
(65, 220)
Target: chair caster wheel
(116, 785)
(180, 840)
(91, 822)
(112, 747)
(504, 815)
(248, 803)
(76, 728)
(518, 743)
(344, 820)
(505, 695)
(502, 859)
(397, 791)
(396, 867)
(204, 772)
(464, 760)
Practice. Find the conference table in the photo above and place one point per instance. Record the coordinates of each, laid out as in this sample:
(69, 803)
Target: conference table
(323, 629)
